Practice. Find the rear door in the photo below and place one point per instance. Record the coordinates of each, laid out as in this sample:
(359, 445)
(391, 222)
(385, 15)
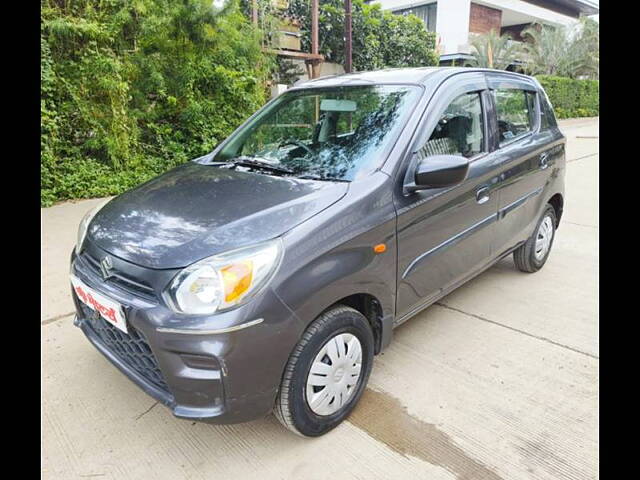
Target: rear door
(521, 157)
(444, 234)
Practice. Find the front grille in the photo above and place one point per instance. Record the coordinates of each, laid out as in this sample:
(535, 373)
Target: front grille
(131, 348)
(119, 279)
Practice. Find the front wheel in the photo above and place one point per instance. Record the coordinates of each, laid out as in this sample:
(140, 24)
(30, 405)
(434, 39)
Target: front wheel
(533, 254)
(326, 372)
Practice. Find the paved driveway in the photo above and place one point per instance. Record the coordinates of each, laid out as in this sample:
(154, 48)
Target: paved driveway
(497, 380)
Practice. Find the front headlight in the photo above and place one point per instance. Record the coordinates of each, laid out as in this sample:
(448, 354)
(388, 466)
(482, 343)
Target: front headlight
(224, 280)
(84, 224)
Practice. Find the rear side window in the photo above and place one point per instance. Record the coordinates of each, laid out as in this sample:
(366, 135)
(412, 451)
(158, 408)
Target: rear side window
(460, 129)
(516, 113)
(547, 117)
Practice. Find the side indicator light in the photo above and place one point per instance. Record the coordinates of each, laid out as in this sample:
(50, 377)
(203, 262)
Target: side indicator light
(380, 248)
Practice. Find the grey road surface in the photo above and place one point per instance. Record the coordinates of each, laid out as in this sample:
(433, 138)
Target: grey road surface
(498, 380)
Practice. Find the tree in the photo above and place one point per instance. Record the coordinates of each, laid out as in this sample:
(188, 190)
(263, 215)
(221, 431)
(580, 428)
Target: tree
(381, 39)
(563, 51)
(492, 50)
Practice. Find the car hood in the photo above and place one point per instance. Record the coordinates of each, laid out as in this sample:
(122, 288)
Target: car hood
(195, 210)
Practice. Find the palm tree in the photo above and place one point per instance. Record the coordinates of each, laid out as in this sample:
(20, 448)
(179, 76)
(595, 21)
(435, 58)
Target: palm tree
(564, 51)
(492, 50)
(586, 48)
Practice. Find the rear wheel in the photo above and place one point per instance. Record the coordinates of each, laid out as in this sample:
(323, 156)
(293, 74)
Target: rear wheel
(533, 254)
(326, 372)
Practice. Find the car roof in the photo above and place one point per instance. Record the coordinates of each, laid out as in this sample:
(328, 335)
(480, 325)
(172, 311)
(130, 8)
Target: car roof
(419, 75)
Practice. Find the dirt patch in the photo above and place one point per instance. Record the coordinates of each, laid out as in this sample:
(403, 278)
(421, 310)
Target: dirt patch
(384, 418)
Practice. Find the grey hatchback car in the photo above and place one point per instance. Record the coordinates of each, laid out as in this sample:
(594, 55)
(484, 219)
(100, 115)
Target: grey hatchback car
(265, 276)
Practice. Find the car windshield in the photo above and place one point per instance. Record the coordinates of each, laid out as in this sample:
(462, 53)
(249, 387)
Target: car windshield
(338, 133)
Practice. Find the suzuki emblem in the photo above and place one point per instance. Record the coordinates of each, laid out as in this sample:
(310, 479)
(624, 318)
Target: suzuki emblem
(105, 267)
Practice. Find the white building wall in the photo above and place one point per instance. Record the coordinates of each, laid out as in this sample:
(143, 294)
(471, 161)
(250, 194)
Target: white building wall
(452, 21)
(452, 26)
(536, 13)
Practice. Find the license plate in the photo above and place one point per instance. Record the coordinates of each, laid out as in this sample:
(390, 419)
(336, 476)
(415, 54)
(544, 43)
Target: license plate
(108, 309)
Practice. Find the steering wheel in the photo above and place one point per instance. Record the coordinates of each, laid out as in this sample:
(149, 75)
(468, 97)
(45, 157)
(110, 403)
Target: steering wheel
(298, 143)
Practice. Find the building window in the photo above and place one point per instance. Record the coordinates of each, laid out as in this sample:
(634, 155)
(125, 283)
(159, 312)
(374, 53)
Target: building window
(426, 13)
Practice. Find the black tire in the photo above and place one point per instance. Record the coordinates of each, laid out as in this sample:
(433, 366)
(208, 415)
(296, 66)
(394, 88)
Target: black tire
(291, 406)
(524, 257)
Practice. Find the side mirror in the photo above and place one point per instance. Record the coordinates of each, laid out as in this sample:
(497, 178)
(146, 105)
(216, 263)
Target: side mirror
(438, 171)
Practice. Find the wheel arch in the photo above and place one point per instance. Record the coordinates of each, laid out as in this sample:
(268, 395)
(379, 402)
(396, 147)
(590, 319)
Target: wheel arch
(370, 307)
(557, 202)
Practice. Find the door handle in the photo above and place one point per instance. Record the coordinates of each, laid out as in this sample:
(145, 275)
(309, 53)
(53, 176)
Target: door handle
(482, 195)
(544, 160)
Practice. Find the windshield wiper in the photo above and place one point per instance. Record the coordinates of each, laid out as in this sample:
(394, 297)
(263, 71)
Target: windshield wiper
(322, 179)
(265, 165)
(261, 164)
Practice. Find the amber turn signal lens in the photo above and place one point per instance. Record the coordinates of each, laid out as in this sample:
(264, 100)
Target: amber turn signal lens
(236, 279)
(380, 248)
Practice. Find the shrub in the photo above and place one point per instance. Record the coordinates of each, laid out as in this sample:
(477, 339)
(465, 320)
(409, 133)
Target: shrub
(132, 88)
(572, 98)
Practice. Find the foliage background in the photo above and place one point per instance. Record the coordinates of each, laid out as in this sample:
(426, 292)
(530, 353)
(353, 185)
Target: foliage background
(570, 97)
(380, 38)
(572, 51)
(131, 88)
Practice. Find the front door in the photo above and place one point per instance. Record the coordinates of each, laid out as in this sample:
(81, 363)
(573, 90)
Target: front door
(445, 234)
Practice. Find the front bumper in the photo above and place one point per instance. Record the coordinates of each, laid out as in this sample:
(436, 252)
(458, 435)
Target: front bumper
(180, 361)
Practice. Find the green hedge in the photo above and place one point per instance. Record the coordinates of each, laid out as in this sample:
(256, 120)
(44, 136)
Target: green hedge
(572, 98)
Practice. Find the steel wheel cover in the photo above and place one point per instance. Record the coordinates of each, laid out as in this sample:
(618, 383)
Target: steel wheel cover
(543, 238)
(334, 374)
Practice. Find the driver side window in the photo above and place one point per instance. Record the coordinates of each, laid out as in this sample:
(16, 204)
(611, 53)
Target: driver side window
(460, 129)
